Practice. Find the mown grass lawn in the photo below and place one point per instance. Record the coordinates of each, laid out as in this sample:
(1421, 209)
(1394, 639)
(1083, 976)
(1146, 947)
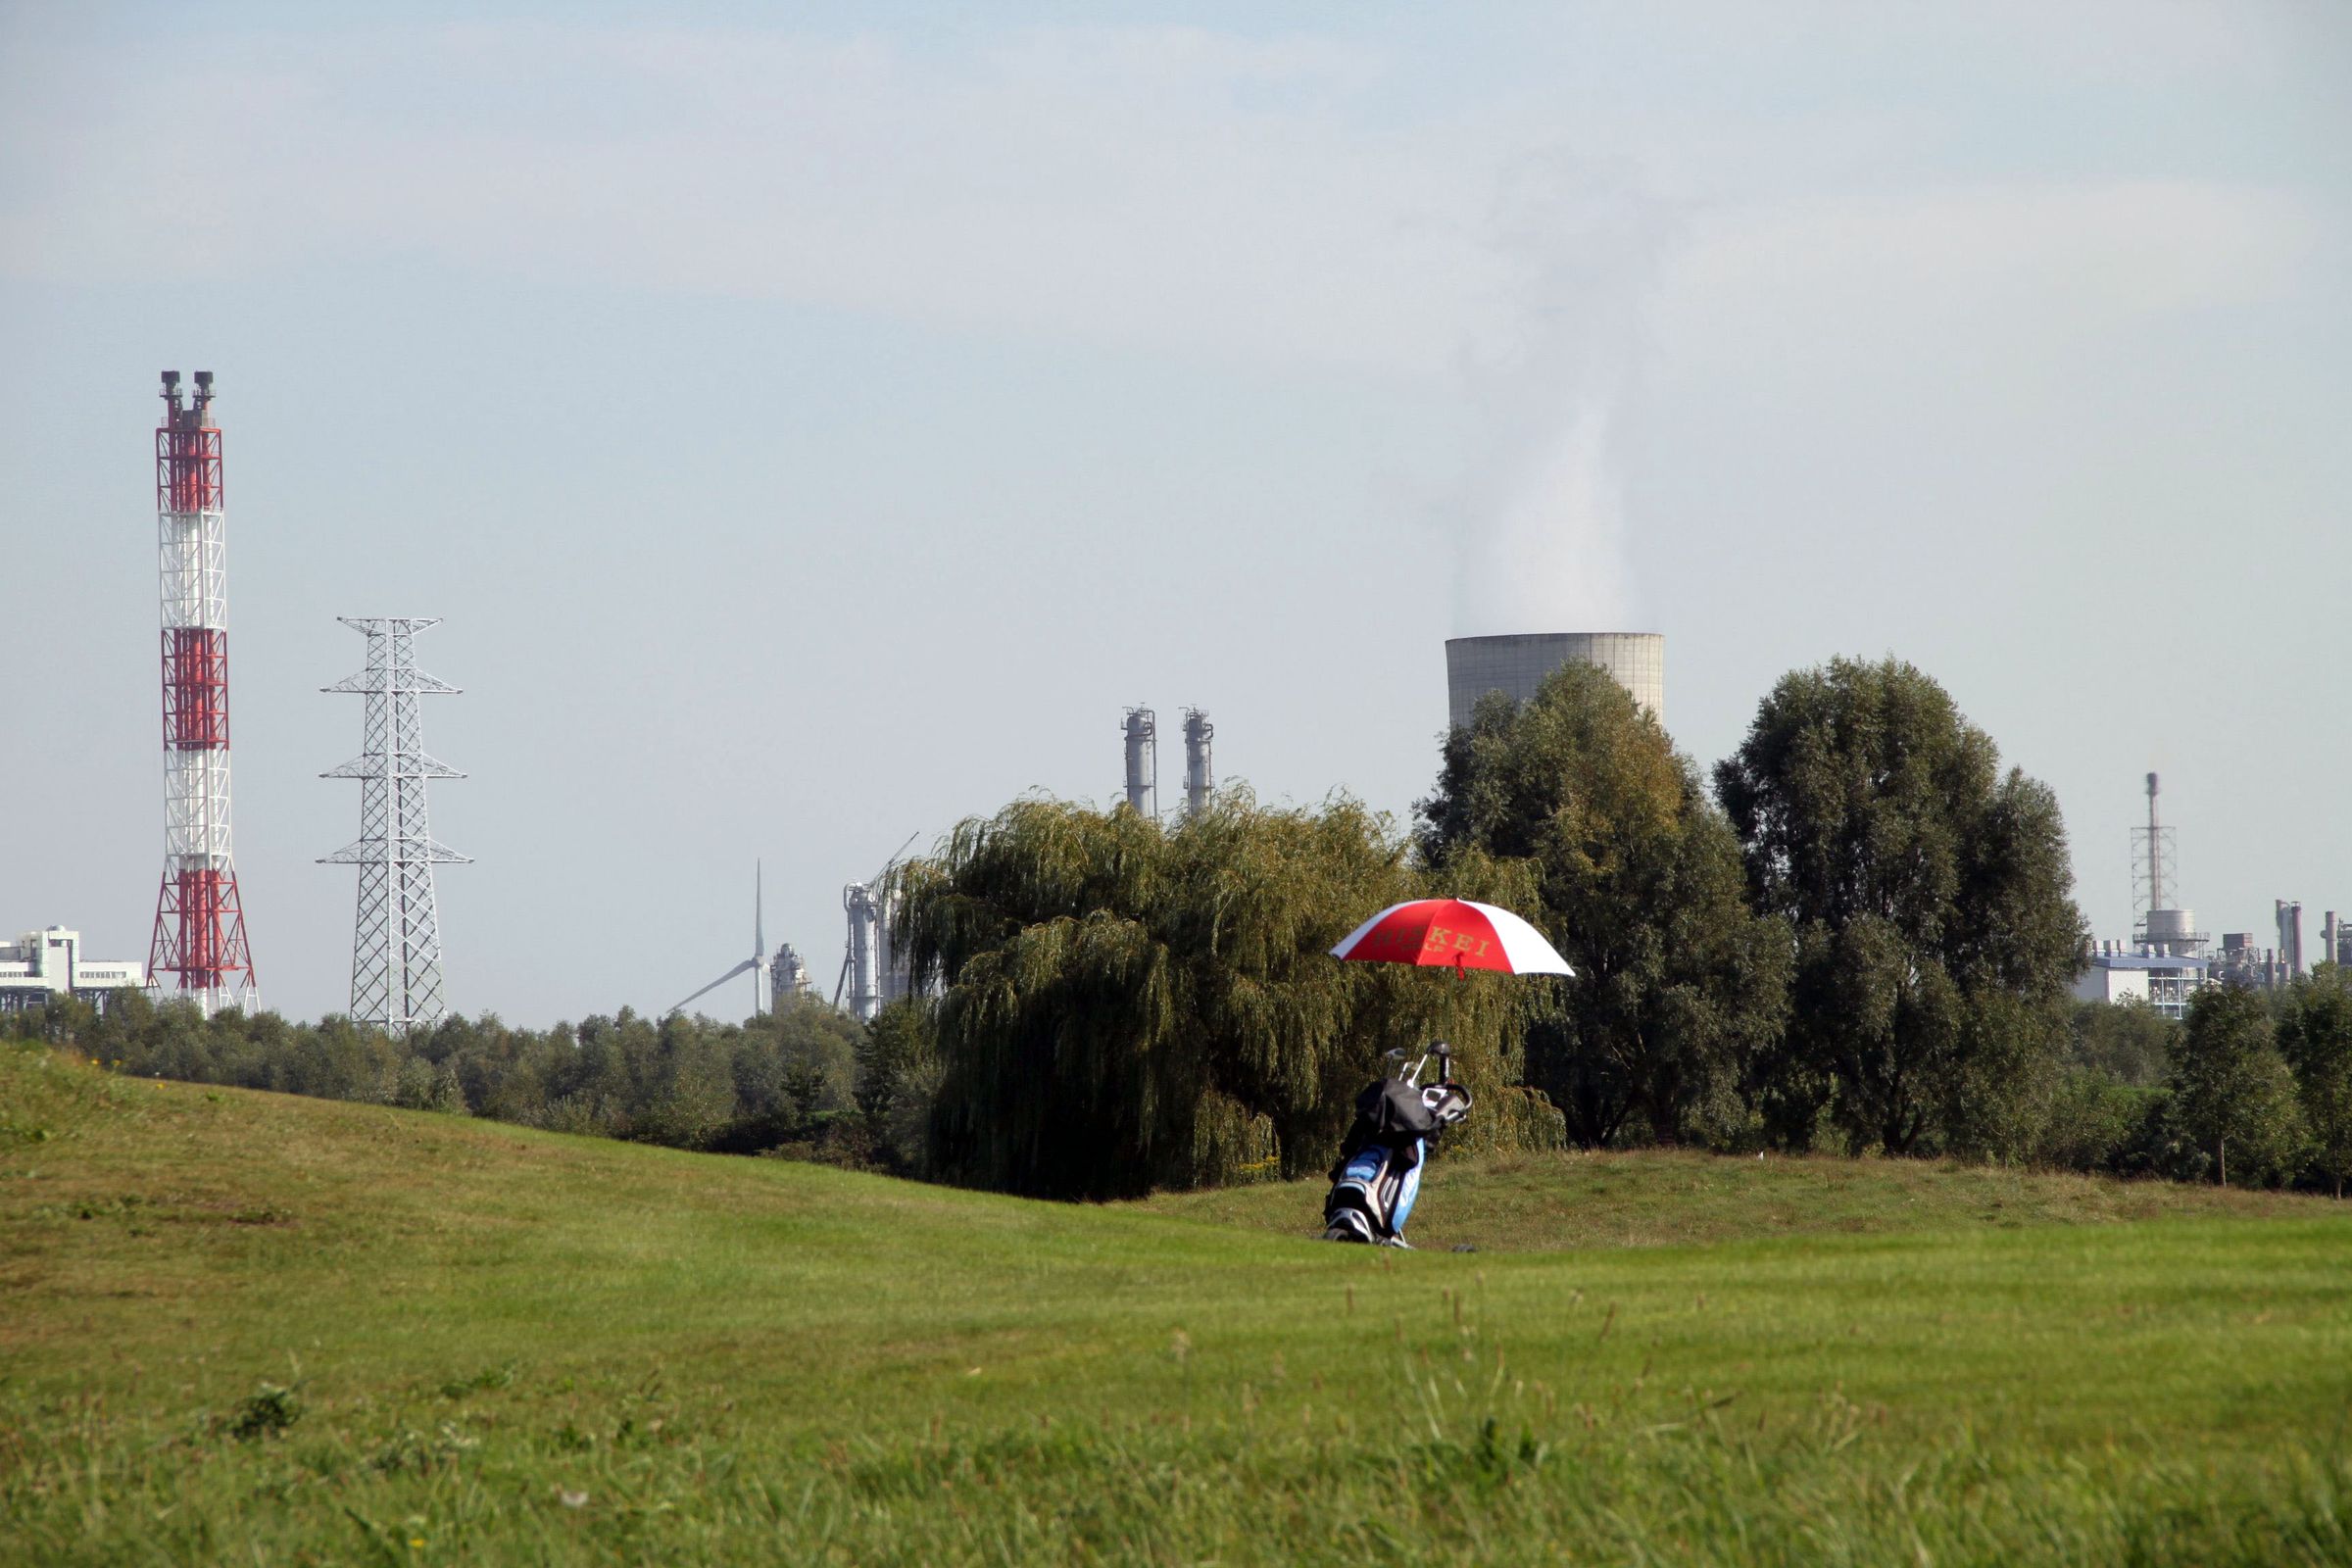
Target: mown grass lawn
(1527, 1202)
(509, 1347)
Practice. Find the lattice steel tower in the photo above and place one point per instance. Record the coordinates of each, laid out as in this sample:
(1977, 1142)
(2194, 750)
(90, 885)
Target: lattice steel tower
(2155, 867)
(199, 919)
(396, 942)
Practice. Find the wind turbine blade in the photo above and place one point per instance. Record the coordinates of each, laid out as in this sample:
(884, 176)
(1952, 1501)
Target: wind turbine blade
(715, 985)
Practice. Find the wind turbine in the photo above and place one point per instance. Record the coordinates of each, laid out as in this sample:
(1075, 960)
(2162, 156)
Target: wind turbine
(758, 962)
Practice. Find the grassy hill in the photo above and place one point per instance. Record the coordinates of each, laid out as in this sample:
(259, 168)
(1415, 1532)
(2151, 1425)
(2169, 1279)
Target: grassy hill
(245, 1327)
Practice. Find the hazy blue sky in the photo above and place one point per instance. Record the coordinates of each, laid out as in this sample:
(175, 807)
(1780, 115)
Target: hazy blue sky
(816, 425)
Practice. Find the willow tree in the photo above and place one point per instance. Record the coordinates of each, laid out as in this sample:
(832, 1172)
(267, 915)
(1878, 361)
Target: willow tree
(1127, 1007)
(1638, 882)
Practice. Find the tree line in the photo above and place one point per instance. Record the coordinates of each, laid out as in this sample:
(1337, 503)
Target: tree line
(1856, 934)
(790, 1078)
(1861, 938)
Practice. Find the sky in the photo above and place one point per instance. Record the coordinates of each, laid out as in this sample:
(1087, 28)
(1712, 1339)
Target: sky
(817, 425)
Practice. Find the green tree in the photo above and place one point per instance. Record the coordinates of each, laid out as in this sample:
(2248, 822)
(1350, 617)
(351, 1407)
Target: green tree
(1128, 1007)
(2128, 1041)
(2233, 1093)
(805, 1033)
(1678, 988)
(690, 1094)
(2091, 1122)
(127, 1016)
(2315, 1036)
(1929, 895)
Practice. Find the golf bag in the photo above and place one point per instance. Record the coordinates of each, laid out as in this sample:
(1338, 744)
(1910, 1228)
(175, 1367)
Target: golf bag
(1378, 1176)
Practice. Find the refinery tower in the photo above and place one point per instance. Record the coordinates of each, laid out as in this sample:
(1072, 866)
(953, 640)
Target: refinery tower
(199, 919)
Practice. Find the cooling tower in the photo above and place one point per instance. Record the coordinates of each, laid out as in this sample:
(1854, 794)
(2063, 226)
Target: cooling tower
(1515, 665)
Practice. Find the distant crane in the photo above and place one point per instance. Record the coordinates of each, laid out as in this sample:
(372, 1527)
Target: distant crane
(756, 963)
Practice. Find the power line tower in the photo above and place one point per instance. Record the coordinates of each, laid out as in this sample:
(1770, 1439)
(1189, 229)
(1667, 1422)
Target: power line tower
(199, 918)
(396, 943)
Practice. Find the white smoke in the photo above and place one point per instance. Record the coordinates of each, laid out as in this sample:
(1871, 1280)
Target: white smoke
(1540, 532)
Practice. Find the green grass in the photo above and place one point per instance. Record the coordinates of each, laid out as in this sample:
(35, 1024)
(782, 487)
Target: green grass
(251, 1328)
(1526, 1203)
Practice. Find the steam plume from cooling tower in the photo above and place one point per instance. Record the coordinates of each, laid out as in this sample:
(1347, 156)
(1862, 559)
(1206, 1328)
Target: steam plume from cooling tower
(1541, 533)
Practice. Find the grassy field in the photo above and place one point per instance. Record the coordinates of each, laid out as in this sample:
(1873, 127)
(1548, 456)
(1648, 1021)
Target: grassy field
(1533, 1202)
(245, 1328)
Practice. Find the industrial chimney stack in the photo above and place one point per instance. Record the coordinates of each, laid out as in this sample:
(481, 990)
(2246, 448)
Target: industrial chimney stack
(2161, 926)
(199, 918)
(2290, 935)
(1143, 761)
(1199, 779)
(864, 909)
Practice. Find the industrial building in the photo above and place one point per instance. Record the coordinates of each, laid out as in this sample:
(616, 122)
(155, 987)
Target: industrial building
(874, 970)
(1516, 665)
(2241, 962)
(2161, 980)
(787, 975)
(2165, 963)
(2169, 959)
(865, 911)
(40, 965)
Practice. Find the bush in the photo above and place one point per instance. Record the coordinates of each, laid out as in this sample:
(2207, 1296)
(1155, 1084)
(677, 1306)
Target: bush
(267, 1412)
(2092, 1120)
(2158, 1147)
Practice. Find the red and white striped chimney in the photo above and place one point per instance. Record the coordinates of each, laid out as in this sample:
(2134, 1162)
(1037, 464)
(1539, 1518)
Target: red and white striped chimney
(199, 922)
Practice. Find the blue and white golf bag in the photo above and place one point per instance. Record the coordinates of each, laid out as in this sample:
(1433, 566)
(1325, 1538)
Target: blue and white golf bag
(1378, 1177)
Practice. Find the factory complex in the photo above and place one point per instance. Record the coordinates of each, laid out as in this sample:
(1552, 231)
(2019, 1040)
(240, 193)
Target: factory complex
(2167, 960)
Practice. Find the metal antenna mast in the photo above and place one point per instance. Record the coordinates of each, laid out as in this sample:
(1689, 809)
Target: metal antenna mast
(396, 943)
(199, 918)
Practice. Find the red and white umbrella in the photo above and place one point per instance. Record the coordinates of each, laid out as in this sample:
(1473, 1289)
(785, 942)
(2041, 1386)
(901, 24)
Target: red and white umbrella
(1453, 934)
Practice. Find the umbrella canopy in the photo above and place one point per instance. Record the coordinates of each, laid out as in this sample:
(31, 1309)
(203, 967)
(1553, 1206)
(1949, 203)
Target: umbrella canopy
(1454, 934)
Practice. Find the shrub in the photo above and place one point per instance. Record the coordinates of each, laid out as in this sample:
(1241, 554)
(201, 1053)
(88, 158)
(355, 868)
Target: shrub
(2091, 1119)
(267, 1412)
